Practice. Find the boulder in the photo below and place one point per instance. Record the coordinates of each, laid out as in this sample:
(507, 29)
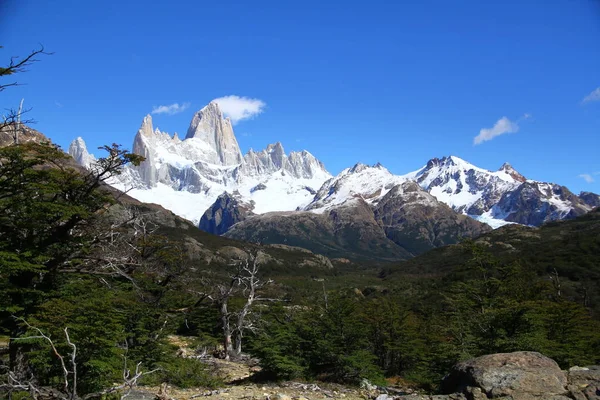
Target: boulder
(518, 375)
(584, 383)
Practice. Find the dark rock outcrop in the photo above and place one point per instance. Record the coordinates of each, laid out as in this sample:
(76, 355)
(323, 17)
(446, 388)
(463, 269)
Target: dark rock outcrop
(591, 199)
(413, 219)
(535, 203)
(225, 212)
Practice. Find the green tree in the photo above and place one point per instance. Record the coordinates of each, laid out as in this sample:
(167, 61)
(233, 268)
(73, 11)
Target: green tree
(47, 210)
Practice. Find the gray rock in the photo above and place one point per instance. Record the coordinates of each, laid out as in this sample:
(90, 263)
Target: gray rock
(280, 396)
(520, 375)
(211, 127)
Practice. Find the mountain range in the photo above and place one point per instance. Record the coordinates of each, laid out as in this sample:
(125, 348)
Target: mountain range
(365, 212)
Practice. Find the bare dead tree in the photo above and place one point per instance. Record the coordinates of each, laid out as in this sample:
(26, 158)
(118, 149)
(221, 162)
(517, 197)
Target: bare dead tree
(244, 282)
(248, 272)
(18, 64)
(555, 279)
(13, 118)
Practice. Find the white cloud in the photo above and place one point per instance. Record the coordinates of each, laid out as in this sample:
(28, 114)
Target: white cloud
(587, 177)
(240, 108)
(594, 96)
(502, 126)
(174, 108)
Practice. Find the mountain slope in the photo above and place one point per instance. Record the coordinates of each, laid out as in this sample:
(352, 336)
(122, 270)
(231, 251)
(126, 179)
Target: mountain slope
(568, 249)
(498, 197)
(347, 231)
(404, 222)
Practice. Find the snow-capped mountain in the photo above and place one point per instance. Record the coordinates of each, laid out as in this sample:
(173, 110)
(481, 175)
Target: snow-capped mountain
(370, 183)
(187, 176)
(497, 197)
(79, 152)
(204, 176)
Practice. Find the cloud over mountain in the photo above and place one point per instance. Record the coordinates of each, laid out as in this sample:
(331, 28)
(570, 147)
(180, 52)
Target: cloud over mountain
(171, 109)
(240, 108)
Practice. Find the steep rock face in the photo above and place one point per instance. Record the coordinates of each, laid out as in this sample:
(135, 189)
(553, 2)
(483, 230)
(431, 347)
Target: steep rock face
(209, 126)
(225, 212)
(79, 152)
(301, 165)
(143, 146)
(304, 165)
(418, 222)
(534, 203)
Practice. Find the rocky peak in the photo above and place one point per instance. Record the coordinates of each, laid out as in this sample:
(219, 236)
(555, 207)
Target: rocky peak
(304, 165)
(209, 126)
(358, 167)
(143, 147)
(298, 164)
(507, 168)
(276, 154)
(79, 152)
(226, 211)
(591, 199)
(146, 128)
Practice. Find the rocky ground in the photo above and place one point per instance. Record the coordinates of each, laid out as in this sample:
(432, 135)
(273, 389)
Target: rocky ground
(507, 376)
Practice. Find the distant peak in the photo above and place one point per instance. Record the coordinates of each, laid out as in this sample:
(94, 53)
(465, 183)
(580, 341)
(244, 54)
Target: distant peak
(146, 127)
(508, 169)
(78, 151)
(213, 108)
(275, 148)
(358, 167)
(457, 160)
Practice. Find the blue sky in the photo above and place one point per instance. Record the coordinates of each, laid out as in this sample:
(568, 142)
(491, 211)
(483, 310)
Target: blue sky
(378, 81)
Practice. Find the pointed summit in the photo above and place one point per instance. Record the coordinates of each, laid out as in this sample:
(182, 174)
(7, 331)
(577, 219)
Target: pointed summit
(209, 126)
(277, 154)
(507, 168)
(146, 128)
(78, 151)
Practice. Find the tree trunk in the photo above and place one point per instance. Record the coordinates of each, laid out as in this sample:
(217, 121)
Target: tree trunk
(17, 353)
(227, 343)
(237, 345)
